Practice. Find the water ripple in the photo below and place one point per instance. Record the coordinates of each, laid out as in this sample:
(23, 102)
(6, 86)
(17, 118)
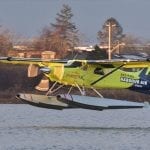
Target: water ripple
(76, 128)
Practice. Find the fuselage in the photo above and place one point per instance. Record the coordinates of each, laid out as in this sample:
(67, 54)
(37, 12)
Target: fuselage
(132, 76)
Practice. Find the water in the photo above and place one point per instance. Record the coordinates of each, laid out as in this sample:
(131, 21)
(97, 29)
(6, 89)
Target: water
(24, 127)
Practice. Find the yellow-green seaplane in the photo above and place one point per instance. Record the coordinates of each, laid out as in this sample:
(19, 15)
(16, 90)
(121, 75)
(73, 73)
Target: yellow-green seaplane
(84, 74)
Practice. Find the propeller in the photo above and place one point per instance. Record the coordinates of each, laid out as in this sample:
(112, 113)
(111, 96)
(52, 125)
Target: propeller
(34, 71)
(43, 85)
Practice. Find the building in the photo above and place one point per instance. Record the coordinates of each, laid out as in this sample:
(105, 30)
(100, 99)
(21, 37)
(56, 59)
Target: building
(84, 48)
(32, 54)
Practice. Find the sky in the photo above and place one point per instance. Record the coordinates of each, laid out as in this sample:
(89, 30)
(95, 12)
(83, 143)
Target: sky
(28, 17)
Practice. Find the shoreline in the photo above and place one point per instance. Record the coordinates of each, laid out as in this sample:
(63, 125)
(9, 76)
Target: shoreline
(10, 101)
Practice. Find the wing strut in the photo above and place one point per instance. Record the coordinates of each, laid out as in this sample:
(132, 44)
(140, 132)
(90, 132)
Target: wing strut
(52, 90)
(82, 91)
(99, 94)
(107, 74)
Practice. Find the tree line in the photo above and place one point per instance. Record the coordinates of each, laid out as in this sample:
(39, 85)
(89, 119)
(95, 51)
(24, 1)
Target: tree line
(63, 35)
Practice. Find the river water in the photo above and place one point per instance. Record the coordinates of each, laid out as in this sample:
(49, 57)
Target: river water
(24, 127)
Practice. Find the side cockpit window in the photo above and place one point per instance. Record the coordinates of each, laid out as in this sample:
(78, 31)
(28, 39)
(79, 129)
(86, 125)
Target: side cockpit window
(99, 71)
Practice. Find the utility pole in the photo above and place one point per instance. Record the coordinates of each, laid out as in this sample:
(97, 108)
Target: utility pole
(110, 26)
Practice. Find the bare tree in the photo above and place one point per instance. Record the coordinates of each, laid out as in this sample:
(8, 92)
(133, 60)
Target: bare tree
(130, 39)
(61, 35)
(116, 32)
(65, 27)
(5, 41)
(132, 44)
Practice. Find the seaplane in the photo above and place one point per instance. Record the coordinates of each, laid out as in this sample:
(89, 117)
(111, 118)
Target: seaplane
(132, 74)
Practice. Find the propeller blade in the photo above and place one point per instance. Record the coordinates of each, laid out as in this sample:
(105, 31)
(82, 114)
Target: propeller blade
(33, 70)
(43, 85)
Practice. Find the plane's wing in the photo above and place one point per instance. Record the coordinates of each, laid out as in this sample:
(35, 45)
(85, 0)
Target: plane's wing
(105, 62)
(120, 61)
(16, 60)
(114, 63)
(3, 58)
(35, 59)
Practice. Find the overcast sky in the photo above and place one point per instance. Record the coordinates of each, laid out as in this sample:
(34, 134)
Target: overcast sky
(28, 17)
